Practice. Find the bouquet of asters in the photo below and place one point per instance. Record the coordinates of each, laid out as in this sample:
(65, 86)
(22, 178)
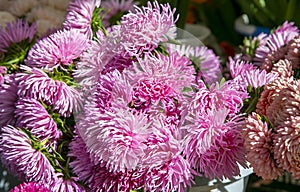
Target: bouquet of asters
(108, 103)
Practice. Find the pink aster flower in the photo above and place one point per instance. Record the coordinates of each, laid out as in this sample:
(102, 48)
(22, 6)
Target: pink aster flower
(258, 78)
(285, 104)
(115, 8)
(286, 147)
(206, 62)
(57, 49)
(218, 97)
(238, 67)
(80, 14)
(168, 169)
(283, 68)
(66, 185)
(143, 28)
(26, 162)
(31, 114)
(270, 92)
(38, 85)
(213, 145)
(8, 98)
(293, 53)
(118, 138)
(274, 47)
(30, 187)
(16, 32)
(260, 147)
(173, 70)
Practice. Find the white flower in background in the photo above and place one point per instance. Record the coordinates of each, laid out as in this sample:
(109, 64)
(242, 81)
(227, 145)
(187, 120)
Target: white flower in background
(6, 17)
(21, 7)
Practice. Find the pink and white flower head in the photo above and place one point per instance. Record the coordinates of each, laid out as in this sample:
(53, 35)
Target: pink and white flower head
(16, 32)
(38, 85)
(286, 147)
(274, 47)
(8, 99)
(206, 62)
(217, 97)
(57, 50)
(30, 187)
(115, 8)
(26, 162)
(32, 115)
(212, 142)
(80, 14)
(144, 28)
(258, 78)
(67, 185)
(259, 144)
(238, 67)
(293, 53)
(173, 70)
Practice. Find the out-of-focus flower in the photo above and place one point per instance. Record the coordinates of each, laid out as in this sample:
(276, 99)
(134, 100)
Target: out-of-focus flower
(16, 32)
(80, 14)
(5, 17)
(58, 49)
(30, 187)
(205, 61)
(57, 17)
(114, 10)
(260, 147)
(24, 158)
(32, 115)
(138, 37)
(20, 7)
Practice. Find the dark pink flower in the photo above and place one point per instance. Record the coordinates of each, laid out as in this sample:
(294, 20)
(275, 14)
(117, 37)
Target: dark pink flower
(30, 187)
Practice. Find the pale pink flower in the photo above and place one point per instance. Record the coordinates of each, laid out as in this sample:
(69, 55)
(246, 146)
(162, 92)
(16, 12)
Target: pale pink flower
(144, 28)
(66, 185)
(259, 145)
(283, 68)
(80, 14)
(57, 50)
(293, 53)
(258, 78)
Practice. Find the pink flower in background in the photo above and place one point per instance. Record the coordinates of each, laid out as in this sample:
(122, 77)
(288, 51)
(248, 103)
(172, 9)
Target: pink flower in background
(259, 144)
(32, 115)
(57, 50)
(16, 32)
(30, 187)
(79, 15)
(22, 159)
(238, 67)
(114, 9)
(143, 28)
(206, 61)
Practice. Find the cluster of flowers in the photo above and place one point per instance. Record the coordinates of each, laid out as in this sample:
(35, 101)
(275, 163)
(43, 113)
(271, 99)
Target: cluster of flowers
(271, 131)
(126, 107)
